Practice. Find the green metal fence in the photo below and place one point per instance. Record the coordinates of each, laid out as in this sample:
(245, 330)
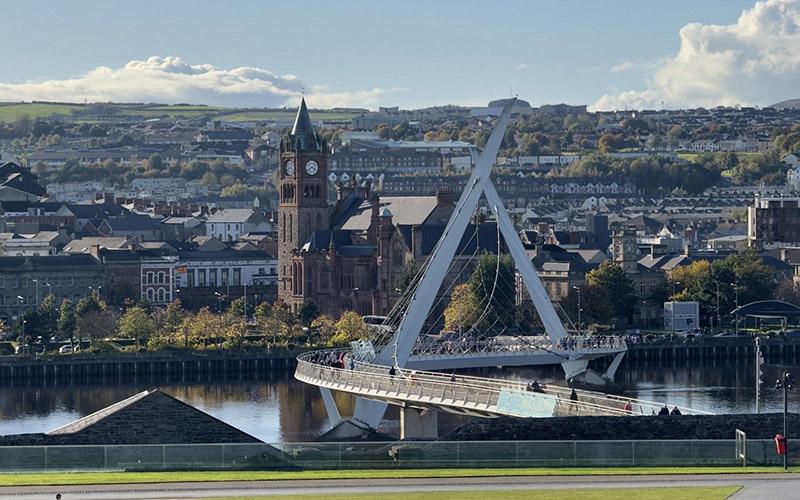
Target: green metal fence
(387, 455)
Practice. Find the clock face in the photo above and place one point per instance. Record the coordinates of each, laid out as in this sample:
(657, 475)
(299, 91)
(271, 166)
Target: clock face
(312, 167)
(290, 167)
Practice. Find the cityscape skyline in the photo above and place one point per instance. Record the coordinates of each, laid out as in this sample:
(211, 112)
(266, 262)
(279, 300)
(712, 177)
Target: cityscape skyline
(715, 53)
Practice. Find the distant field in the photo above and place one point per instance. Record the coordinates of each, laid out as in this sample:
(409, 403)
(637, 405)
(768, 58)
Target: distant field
(10, 112)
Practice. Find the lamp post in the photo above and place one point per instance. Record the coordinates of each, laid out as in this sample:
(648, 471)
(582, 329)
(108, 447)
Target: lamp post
(736, 308)
(672, 305)
(785, 382)
(578, 289)
(37, 291)
(719, 318)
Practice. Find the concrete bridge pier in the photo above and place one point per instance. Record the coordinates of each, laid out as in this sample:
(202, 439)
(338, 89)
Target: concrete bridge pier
(419, 424)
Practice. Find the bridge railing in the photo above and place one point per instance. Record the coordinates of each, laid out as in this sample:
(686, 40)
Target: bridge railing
(334, 369)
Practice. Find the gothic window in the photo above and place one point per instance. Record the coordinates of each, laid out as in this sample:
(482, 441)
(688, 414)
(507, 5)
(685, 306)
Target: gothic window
(308, 221)
(283, 227)
(290, 226)
(319, 221)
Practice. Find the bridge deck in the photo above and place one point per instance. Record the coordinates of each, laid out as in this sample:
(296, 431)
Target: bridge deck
(477, 396)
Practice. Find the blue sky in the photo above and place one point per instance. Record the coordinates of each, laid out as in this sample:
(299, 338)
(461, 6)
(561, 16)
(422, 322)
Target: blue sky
(348, 52)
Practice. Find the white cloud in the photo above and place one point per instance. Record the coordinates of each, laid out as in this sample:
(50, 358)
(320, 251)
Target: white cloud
(172, 80)
(755, 60)
(623, 66)
(523, 66)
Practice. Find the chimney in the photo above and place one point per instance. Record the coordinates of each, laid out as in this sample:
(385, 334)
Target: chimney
(444, 196)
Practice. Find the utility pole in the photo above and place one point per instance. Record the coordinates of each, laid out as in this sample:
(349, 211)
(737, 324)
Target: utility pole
(785, 382)
(719, 318)
(579, 307)
(759, 373)
(736, 309)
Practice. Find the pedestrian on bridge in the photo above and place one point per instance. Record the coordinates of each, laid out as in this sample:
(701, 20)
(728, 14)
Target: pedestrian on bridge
(676, 411)
(664, 411)
(535, 387)
(628, 407)
(392, 372)
(573, 396)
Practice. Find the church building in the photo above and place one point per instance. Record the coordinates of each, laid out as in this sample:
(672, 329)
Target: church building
(352, 254)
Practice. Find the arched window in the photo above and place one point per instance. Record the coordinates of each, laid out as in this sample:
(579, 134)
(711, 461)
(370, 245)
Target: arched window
(162, 278)
(150, 295)
(149, 279)
(161, 295)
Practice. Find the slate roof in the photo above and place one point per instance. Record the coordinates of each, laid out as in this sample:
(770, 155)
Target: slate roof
(303, 131)
(132, 222)
(83, 423)
(406, 210)
(25, 182)
(232, 215)
(49, 261)
(486, 238)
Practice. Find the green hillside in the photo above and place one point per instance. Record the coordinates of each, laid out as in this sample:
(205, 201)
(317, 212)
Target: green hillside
(10, 112)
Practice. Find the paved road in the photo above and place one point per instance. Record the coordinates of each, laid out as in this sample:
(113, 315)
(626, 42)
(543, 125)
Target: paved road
(755, 486)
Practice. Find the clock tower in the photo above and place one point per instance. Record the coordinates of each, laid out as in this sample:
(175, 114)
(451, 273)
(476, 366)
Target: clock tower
(303, 191)
(625, 251)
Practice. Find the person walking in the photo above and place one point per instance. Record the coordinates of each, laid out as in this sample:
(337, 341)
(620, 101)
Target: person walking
(573, 396)
(676, 411)
(628, 407)
(663, 411)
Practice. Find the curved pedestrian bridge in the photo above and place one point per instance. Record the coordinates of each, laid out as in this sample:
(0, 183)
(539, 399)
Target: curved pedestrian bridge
(476, 396)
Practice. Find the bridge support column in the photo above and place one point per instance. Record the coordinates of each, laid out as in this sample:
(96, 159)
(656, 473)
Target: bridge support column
(330, 406)
(574, 367)
(419, 424)
(612, 368)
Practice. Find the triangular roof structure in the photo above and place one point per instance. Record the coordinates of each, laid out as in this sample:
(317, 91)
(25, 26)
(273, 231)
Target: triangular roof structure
(303, 131)
(149, 417)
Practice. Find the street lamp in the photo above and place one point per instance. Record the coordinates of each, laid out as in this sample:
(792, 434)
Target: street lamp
(37, 291)
(672, 299)
(719, 318)
(785, 382)
(578, 289)
(736, 309)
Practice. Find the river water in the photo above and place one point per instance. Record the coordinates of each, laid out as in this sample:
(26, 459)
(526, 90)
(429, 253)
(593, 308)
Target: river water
(277, 408)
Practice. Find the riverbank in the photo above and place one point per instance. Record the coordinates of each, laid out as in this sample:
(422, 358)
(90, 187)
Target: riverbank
(122, 367)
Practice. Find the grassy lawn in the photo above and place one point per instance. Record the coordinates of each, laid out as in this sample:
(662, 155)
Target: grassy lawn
(71, 478)
(700, 493)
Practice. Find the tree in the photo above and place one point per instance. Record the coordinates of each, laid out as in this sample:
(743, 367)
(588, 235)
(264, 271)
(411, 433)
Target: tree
(324, 327)
(155, 162)
(95, 325)
(136, 324)
(494, 280)
(307, 312)
(462, 312)
(48, 315)
(66, 319)
(788, 291)
(350, 327)
(610, 280)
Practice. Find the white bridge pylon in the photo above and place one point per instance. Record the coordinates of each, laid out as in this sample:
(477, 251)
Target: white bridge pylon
(399, 349)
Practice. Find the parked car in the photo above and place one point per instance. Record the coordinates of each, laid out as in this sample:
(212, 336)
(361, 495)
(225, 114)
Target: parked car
(66, 349)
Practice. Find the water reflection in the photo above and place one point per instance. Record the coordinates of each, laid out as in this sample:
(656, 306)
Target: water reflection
(276, 407)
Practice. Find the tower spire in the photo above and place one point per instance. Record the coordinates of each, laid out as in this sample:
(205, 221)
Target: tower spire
(303, 131)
